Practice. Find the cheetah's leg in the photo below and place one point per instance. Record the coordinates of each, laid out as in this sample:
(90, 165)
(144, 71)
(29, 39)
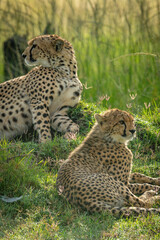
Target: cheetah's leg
(41, 120)
(149, 200)
(130, 211)
(141, 178)
(138, 188)
(143, 205)
(61, 122)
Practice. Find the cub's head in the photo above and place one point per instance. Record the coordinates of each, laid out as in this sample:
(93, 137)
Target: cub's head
(117, 124)
(48, 51)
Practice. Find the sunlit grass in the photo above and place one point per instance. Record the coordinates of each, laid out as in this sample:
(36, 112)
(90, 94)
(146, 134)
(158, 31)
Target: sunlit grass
(117, 49)
(117, 77)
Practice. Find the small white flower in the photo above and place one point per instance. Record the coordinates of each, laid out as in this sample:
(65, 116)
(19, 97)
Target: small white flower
(133, 96)
(129, 105)
(107, 98)
(147, 105)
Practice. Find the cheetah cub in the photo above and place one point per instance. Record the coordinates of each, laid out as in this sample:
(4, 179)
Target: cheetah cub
(43, 96)
(97, 174)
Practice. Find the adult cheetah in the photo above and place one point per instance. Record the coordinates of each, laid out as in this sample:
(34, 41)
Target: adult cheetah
(43, 96)
(97, 174)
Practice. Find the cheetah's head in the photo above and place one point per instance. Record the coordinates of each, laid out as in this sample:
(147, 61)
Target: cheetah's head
(117, 124)
(48, 51)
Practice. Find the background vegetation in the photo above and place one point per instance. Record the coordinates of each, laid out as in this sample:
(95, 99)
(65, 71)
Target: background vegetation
(117, 49)
(116, 42)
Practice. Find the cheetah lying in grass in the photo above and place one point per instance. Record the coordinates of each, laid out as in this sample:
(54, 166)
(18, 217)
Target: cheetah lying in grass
(97, 175)
(43, 96)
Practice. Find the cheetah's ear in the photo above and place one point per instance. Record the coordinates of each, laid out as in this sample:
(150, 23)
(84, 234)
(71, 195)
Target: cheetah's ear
(104, 122)
(59, 43)
(99, 118)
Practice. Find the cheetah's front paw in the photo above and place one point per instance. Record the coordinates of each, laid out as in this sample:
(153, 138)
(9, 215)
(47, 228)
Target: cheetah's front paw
(74, 128)
(157, 189)
(148, 194)
(153, 200)
(72, 131)
(70, 136)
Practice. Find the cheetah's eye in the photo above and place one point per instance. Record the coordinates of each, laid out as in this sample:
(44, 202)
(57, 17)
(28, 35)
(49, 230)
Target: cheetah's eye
(122, 122)
(34, 45)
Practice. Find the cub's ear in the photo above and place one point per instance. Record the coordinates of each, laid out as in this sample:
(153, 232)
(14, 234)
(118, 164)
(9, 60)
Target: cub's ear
(105, 122)
(99, 118)
(59, 43)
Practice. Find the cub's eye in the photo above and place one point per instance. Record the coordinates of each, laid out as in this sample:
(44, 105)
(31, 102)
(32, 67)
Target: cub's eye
(34, 45)
(122, 122)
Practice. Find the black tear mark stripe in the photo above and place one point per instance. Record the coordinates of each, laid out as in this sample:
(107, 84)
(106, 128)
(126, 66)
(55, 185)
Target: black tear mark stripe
(31, 58)
(124, 133)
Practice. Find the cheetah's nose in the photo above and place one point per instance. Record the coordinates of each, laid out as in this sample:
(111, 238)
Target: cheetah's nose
(23, 55)
(132, 131)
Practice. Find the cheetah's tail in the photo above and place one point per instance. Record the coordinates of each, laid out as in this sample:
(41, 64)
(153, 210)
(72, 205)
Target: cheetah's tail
(134, 211)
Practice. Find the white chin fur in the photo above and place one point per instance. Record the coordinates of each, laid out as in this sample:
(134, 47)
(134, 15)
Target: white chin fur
(30, 63)
(122, 139)
(42, 62)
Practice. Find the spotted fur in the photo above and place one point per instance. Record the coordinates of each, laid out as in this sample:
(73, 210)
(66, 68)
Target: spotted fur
(42, 97)
(97, 174)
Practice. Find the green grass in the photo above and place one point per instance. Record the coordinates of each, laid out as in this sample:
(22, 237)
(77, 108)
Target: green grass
(30, 169)
(117, 49)
(117, 78)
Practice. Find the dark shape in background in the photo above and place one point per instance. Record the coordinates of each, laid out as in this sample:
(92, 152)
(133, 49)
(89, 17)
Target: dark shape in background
(13, 62)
